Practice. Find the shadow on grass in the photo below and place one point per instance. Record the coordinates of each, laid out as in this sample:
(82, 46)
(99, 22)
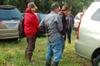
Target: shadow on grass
(9, 41)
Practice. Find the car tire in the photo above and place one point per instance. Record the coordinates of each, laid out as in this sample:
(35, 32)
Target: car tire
(96, 61)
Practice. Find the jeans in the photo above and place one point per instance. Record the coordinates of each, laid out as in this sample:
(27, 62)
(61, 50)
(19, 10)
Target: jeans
(55, 50)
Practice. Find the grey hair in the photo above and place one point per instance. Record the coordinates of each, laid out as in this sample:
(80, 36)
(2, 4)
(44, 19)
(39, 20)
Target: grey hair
(54, 5)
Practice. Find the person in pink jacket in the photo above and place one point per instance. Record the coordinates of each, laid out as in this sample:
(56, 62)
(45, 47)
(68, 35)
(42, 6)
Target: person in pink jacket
(31, 24)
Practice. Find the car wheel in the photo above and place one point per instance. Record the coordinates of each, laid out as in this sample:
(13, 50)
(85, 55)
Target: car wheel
(96, 61)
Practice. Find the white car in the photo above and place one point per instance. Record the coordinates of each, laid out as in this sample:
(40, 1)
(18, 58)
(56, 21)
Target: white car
(77, 19)
(88, 35)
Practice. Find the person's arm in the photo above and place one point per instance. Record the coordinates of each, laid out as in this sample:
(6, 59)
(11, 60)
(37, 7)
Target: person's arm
(42, 26)
(42, 23)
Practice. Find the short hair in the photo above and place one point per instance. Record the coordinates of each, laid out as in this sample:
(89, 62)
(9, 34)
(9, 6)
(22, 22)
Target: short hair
(54, 5)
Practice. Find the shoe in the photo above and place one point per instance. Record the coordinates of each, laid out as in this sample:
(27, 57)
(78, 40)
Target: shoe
(55, 63)
(32, 62)
(48, 63)
(69, 42)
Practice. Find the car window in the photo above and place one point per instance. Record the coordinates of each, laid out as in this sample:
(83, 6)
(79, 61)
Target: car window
(9, 14)
(96, 15)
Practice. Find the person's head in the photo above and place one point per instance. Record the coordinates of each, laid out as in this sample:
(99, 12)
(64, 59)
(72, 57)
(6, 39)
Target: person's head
(65, 10)
(32, 6)
(55, 7)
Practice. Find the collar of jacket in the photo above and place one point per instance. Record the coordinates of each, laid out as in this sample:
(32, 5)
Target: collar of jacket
(52, 12)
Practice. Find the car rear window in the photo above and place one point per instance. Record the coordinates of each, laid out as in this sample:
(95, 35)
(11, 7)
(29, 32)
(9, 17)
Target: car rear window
(96, 15)
(9, 14)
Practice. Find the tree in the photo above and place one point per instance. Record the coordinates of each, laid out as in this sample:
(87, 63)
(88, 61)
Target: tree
(44, 5)
(1, 2)
(20, 4)
(78, 5)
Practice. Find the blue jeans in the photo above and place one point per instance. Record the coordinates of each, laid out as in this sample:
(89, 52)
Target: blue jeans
(55, 50)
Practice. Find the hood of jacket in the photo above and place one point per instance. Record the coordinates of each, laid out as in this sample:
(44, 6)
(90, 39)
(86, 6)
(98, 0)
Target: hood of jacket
(28, 10)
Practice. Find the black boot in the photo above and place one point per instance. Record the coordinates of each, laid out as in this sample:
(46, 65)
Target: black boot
(48, 63)
(55, 63)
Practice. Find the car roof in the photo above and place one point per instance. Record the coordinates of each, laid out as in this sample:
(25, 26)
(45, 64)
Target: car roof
(90, 11)
(97, 0)
(7, 7)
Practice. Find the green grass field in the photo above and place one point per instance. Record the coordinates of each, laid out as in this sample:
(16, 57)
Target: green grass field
(12, 54)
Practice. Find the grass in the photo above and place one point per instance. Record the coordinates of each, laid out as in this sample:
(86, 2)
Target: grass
(12, 54)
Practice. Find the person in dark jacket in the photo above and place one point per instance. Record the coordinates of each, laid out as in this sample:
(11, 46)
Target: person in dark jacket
(64, 12)
(70, 23)
(31, 24)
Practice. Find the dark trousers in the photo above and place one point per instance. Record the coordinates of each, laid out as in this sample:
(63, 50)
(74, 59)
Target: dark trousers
(69, 31)
(30, 47)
